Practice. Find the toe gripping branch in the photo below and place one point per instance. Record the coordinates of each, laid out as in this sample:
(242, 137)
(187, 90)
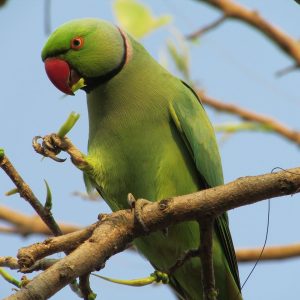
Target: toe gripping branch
(137, 207)
(51, 146)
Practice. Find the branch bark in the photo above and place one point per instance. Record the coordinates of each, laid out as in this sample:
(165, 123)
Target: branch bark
(27, 225)
(118, 229)
(27, 194)
(9, 262)
(22, 224)
(270, 253)
(205, 251)
(64, 243)
(206, 28)
(276, 126)
(233, 10)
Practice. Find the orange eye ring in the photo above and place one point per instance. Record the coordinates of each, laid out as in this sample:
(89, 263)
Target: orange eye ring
(77, 43)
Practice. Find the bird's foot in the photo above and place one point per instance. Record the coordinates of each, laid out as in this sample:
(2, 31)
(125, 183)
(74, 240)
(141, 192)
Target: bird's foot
(51, 145)
(137, 207)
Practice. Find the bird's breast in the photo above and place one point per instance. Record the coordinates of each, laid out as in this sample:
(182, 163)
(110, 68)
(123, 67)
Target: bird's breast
(150, 162)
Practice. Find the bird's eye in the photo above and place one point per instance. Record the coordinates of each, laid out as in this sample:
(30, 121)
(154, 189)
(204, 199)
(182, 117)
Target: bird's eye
(77, 43)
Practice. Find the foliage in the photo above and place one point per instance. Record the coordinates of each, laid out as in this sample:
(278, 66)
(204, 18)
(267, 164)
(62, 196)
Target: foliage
(136, 18)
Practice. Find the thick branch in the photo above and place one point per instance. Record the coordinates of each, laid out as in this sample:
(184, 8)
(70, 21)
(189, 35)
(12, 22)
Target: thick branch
(26, 225)
(64, 243)
(119, 229)
(283, 130)
(236, 11)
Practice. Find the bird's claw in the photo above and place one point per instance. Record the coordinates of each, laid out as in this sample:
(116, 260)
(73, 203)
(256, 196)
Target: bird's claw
(137, 207)
(50, 146)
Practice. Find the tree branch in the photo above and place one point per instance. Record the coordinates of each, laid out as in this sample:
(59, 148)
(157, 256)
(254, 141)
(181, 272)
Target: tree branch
(233, 10)
(206, 244)
(26, 193)
(27, 225)
(270, 253)
(206, 28)
(64, 243)
(279, 128)
(118, 229)
(9, 262)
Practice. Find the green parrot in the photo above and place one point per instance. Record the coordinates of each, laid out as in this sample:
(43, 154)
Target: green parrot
(149, 135)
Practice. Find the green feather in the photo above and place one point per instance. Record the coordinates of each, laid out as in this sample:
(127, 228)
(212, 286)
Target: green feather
(150, 136)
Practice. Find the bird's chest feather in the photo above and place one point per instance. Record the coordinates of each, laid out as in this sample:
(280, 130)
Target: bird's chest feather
(134, 145)
(146, 161)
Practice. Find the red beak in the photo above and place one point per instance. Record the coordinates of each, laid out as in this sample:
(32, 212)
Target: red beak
(59, 72)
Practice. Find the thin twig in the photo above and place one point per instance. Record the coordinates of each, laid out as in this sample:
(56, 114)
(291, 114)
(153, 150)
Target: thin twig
(187, 255)
(206, 225)
(206, 28)
(286, 70)
(26, 193)
(41, 265)
(231, 9)
(47, 16)
(64, 243)
(9, 262)
(274, 125)
(84, 284)
(26, 225)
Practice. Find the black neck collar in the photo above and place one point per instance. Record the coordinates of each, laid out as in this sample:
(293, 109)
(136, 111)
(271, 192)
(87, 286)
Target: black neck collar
(93, 82)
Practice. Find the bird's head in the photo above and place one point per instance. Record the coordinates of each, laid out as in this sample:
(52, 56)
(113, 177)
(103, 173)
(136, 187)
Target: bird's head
(83, 53)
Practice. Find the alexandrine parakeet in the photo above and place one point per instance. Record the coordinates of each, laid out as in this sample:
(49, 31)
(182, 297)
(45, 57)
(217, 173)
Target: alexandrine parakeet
(149, 135)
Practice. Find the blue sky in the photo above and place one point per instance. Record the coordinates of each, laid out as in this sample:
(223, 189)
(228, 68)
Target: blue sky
(233, 63)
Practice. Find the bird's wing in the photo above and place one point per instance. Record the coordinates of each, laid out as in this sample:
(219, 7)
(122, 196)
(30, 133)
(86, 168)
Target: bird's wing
(198, 134)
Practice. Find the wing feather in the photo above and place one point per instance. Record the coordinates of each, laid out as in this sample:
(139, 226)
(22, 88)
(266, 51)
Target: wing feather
(198, 135)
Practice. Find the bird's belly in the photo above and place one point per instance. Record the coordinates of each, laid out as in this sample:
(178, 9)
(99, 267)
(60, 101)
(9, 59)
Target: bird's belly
(150, 166)
(153, 167)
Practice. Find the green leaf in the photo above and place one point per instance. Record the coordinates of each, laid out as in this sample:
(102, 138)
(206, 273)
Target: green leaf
(92, 296)
(242, 126)
(136, 18)
(78, 85)
(68, 125)
(1, 153)
(48, 202)
(12, 192)
(180, 58)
